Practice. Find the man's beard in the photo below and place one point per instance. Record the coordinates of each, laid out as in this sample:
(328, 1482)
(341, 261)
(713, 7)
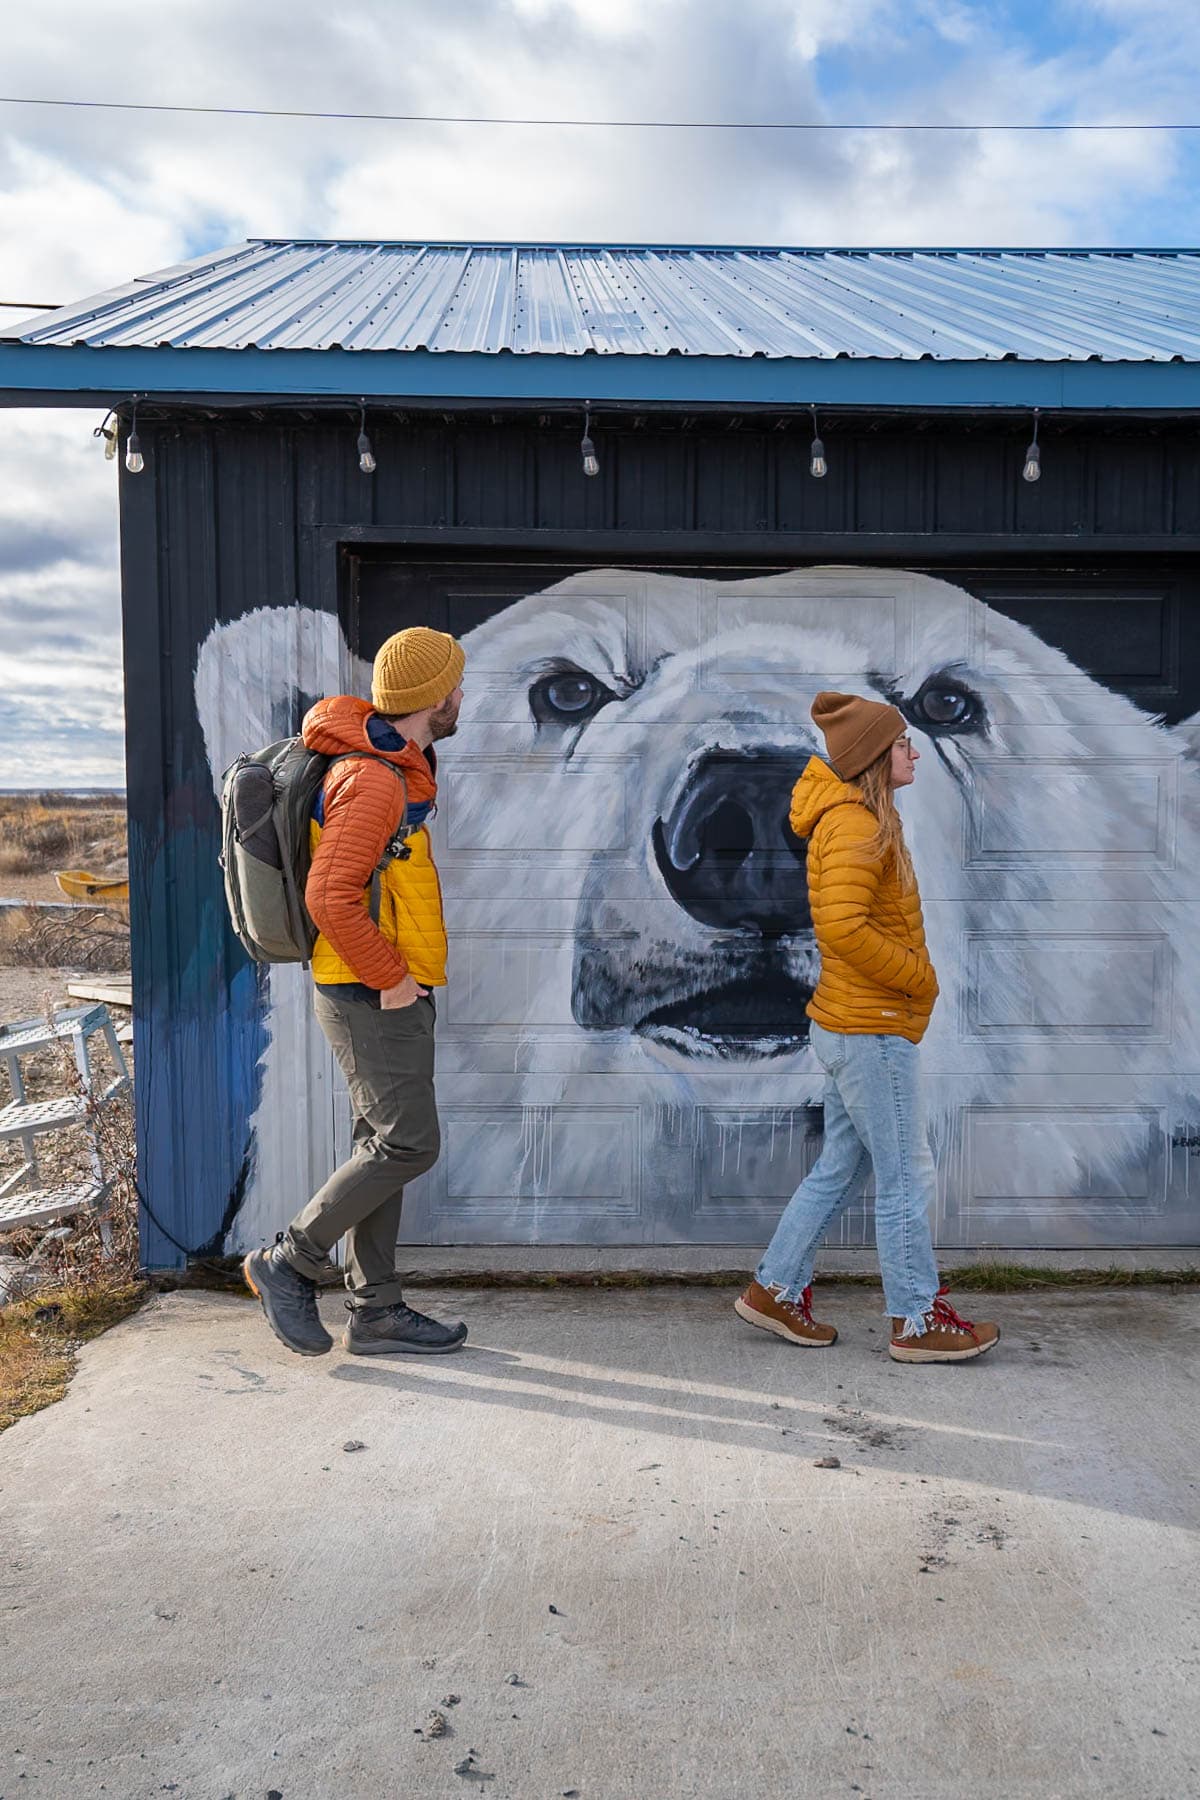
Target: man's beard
(443, 723)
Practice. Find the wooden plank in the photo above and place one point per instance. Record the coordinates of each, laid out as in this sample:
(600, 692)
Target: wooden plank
(18, 905)
(112, 993)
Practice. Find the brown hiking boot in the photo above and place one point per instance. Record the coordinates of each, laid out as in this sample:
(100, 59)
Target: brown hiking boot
(946, 1337)
(790, 1319)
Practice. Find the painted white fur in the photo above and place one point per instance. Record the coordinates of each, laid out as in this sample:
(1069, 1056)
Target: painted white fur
(1073, 821)
(251, 677)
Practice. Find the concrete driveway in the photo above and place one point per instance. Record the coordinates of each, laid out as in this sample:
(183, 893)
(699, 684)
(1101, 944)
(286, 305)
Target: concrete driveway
(601, 1529)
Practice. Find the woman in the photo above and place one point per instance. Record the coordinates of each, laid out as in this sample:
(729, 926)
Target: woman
(869, 1013)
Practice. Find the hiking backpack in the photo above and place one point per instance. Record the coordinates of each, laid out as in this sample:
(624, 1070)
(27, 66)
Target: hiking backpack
(267, 800)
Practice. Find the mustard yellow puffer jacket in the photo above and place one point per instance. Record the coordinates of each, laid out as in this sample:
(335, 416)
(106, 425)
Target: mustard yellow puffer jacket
(876, 976)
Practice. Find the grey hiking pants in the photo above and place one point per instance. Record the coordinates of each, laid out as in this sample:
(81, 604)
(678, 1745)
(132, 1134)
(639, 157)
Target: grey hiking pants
(387, 1059)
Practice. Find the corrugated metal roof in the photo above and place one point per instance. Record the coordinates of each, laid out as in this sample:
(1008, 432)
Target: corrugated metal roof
(905, 305)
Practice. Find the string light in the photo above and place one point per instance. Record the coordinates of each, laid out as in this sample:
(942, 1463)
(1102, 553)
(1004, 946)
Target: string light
(366, 456)
(1033, 454)
(135, 462)
(107, 430)
(817, 465)
(587, 450)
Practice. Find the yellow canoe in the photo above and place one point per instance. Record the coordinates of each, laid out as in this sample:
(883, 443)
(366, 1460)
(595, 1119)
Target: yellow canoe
(101, 890)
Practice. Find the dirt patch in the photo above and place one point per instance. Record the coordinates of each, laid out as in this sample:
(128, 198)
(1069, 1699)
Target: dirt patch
(867, 1433)
(954, 1531)
(25, 993)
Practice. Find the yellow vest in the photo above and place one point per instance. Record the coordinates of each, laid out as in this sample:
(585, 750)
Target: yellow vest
(410, 917)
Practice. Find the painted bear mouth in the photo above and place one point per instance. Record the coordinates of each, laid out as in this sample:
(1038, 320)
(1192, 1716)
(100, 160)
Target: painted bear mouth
(742, 1021)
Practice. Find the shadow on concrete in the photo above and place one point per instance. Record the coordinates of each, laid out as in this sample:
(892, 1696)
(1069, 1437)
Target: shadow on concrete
(1088, 1399)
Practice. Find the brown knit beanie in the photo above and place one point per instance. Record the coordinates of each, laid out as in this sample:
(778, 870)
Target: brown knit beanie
(856, 731)
(415, 669)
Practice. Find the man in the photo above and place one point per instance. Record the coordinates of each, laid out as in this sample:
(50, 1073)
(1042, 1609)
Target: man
(373, 998)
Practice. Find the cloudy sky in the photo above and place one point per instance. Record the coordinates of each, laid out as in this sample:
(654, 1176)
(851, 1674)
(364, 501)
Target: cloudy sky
(88, 199)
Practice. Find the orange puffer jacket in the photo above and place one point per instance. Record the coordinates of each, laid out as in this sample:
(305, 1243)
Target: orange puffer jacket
(363, 804)
(876, 976)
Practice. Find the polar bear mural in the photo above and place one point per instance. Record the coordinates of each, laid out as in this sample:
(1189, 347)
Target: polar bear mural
(623, 1044)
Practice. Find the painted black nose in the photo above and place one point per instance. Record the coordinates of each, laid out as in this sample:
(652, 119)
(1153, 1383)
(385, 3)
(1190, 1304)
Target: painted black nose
(727, 853)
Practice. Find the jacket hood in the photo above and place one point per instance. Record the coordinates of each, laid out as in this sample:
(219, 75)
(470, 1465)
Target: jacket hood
(817, 792)
(339, 723)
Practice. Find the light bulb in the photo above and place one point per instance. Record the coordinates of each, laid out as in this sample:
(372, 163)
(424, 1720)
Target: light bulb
(366, 456)
(135, 462)
(816, 459)
(1032, 469)
(591, 462)
(107, 431)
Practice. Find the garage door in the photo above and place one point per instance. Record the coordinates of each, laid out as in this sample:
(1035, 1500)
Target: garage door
(623, 1050)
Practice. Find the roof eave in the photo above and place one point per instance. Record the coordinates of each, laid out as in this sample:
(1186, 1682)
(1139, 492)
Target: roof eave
(87, 376)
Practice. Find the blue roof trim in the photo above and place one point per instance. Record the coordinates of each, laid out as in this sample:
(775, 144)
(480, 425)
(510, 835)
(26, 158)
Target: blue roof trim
(91, 376)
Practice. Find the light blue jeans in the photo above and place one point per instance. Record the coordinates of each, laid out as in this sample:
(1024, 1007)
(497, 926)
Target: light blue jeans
(874, 1118)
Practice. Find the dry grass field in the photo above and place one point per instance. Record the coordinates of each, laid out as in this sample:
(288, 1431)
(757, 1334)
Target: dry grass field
(40, 833)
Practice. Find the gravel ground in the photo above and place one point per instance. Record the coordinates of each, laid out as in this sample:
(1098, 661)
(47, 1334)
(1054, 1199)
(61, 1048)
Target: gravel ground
(23, 992)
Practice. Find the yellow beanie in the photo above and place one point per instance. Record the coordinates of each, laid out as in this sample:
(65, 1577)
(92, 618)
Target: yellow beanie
(415, 669)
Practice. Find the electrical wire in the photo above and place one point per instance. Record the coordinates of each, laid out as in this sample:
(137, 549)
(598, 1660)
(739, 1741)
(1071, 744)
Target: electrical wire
(267, 112)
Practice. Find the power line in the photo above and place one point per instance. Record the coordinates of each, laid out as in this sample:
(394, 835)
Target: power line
(32, 305)
(264, 112)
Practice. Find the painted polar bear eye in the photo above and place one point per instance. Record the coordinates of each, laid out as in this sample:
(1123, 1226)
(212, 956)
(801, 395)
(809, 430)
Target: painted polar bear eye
(945, 705)
(567, 696)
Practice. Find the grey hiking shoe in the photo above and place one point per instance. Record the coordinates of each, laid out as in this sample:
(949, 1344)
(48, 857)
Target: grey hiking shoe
(398, 1330)
(289, 1301)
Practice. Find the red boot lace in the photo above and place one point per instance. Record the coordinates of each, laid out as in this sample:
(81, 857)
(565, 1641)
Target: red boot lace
(803, 1305)
(944, 1315)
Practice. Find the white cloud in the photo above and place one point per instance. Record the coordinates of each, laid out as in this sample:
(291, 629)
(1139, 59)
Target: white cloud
(820, 26)
(88, 199)
(60, 651)
(66, 233)
(51, 454)
(615, 18)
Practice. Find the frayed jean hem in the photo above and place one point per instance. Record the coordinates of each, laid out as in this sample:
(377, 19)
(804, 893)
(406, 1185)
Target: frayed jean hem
(915, 1324)
(788, 1291)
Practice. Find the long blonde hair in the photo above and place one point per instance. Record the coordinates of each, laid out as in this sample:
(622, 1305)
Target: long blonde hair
(888, 845)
